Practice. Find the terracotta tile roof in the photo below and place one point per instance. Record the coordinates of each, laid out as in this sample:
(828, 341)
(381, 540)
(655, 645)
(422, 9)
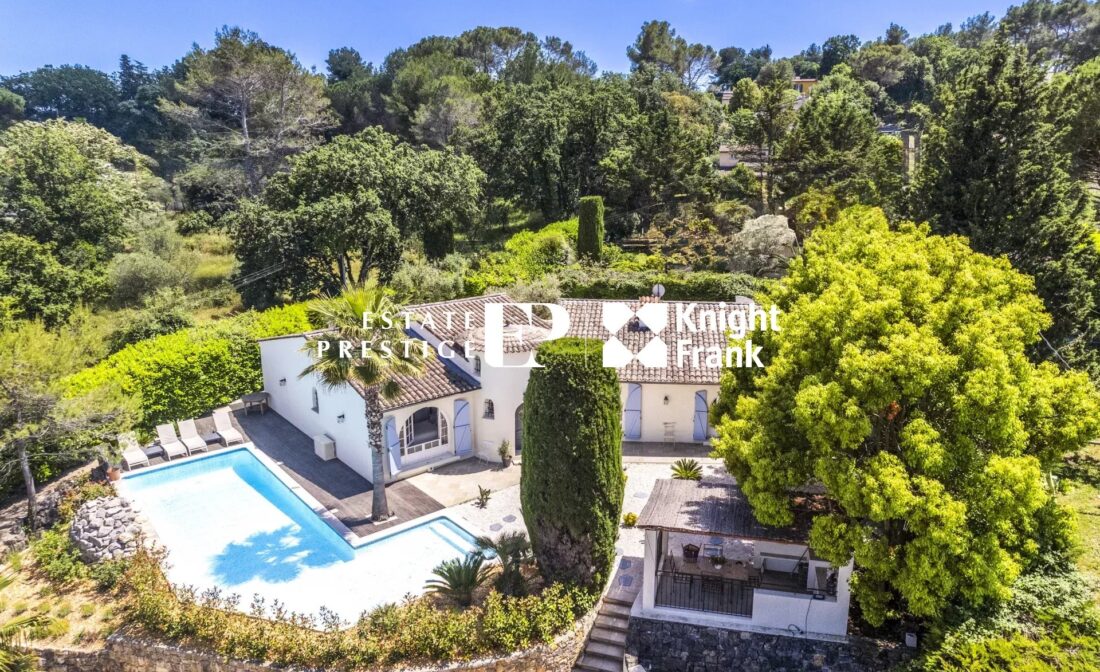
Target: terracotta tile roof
(440, 379)
(714, 508)
(586, 321)
(462, 320)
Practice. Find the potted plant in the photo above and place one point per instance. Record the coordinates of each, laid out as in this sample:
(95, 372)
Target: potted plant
(505, 452)
(718, 561)
(110, 458)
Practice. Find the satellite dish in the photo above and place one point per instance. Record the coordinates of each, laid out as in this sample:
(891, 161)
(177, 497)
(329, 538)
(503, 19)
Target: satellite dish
(658, 290)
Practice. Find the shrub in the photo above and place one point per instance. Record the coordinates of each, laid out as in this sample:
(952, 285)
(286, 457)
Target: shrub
(458, 579)
(165, 312)
(630, 519)
(590, 229)
(512, 549)
(57, 559)
(187, 373)
(412, 631)
(134, 275)
(418, 280)
(528, 255)
(108, 574)
(85, 491)
(592, 282)
(687, 470)
(572, 434)
(483, 497)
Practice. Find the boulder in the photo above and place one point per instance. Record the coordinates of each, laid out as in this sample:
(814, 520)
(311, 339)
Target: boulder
(763, 247)
(105, 529)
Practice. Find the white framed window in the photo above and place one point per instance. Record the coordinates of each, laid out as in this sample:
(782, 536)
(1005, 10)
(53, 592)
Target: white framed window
(490, 410)
(423, 430)
(316, 407)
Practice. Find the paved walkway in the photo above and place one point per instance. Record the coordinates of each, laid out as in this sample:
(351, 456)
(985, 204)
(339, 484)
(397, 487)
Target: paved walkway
(458, 482)
(663, 453)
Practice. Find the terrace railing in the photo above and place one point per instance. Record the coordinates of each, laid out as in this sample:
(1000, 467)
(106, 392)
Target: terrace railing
(720, 595)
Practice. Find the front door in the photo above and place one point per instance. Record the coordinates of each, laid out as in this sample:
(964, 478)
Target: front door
(464, 440)
(700, 424)
(632, 413)
(519, 429)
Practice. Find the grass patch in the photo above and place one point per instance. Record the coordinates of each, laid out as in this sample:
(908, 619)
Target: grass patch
(1081, 485)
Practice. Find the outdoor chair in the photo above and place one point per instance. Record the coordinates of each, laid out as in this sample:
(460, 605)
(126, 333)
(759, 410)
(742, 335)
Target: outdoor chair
(223, 427)
(169, 442)
(189, 435)
(132, 454)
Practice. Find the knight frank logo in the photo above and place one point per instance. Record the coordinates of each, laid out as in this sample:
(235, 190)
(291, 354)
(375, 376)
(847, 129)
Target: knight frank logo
(655, 318)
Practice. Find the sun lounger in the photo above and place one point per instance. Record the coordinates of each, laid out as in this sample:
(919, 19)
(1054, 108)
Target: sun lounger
(223, 427)
(132, 454)
(170, 442)
(189, 435)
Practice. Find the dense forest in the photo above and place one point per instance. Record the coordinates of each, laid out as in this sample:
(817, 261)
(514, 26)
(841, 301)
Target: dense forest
(149, 215)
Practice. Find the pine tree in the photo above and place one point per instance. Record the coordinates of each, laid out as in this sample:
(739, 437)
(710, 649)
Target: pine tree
(994, 170)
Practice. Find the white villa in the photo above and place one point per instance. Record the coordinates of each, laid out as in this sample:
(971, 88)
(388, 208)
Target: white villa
(463, 407)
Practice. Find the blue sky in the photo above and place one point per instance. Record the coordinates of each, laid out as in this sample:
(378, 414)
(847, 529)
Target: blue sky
(157, 32)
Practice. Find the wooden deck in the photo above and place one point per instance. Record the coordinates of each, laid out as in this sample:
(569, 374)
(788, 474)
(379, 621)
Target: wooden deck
(333, 483)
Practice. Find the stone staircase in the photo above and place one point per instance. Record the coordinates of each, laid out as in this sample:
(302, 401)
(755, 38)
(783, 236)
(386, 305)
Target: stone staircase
(606, 645)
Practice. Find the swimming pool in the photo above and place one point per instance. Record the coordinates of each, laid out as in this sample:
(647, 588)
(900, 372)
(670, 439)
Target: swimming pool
(228, 521)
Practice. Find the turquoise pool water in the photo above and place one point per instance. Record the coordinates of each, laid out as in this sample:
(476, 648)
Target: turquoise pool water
(227, 521)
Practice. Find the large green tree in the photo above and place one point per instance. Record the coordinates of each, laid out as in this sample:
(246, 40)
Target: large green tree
(340, 213)
(900, 381)
(35, 285)
(835, 151)
(996, 170)
(248, 105)
(762, 117)
(74, 185)
(659, 46)
(67, 92)
(572, 483)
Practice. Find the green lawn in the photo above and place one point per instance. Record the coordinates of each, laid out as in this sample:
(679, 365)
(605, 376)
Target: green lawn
(1082, 479)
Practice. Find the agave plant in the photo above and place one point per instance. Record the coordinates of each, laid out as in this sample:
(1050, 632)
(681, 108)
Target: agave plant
(687, 470)
(11, 635)
(458, 579)
(513, 549)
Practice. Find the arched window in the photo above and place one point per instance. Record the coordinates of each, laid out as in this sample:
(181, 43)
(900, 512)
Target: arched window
(490, 409)
(477, 365)
(423, 430)
(316, 402)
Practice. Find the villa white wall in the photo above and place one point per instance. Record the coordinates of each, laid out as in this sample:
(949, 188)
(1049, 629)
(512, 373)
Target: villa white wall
(283, 358)
(505, 387)
(680, 409)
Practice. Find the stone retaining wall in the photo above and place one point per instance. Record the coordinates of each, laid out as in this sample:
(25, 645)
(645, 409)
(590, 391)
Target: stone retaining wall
(124, 652)
(13, 514)
(663, 646)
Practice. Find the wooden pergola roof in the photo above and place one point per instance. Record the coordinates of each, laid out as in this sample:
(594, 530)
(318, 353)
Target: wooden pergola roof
(713, 508)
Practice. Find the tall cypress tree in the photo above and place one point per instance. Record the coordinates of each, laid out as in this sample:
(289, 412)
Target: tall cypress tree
(994, 170)
(572, 482)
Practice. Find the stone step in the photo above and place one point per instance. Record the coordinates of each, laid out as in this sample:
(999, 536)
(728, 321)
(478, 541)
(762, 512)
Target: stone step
(611, 622)
(615, 609)
(604, 650)
(597, 664)
(620, 596)
(613, 637)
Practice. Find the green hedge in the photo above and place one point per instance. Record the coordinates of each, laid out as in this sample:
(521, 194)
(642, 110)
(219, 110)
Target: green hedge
(572, 483)
(591, 282)
(190, 372)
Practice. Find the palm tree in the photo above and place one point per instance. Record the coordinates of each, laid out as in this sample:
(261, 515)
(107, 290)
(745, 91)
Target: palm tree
(458, 579)
(11, 635)
(378, 357)
(512, 549)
